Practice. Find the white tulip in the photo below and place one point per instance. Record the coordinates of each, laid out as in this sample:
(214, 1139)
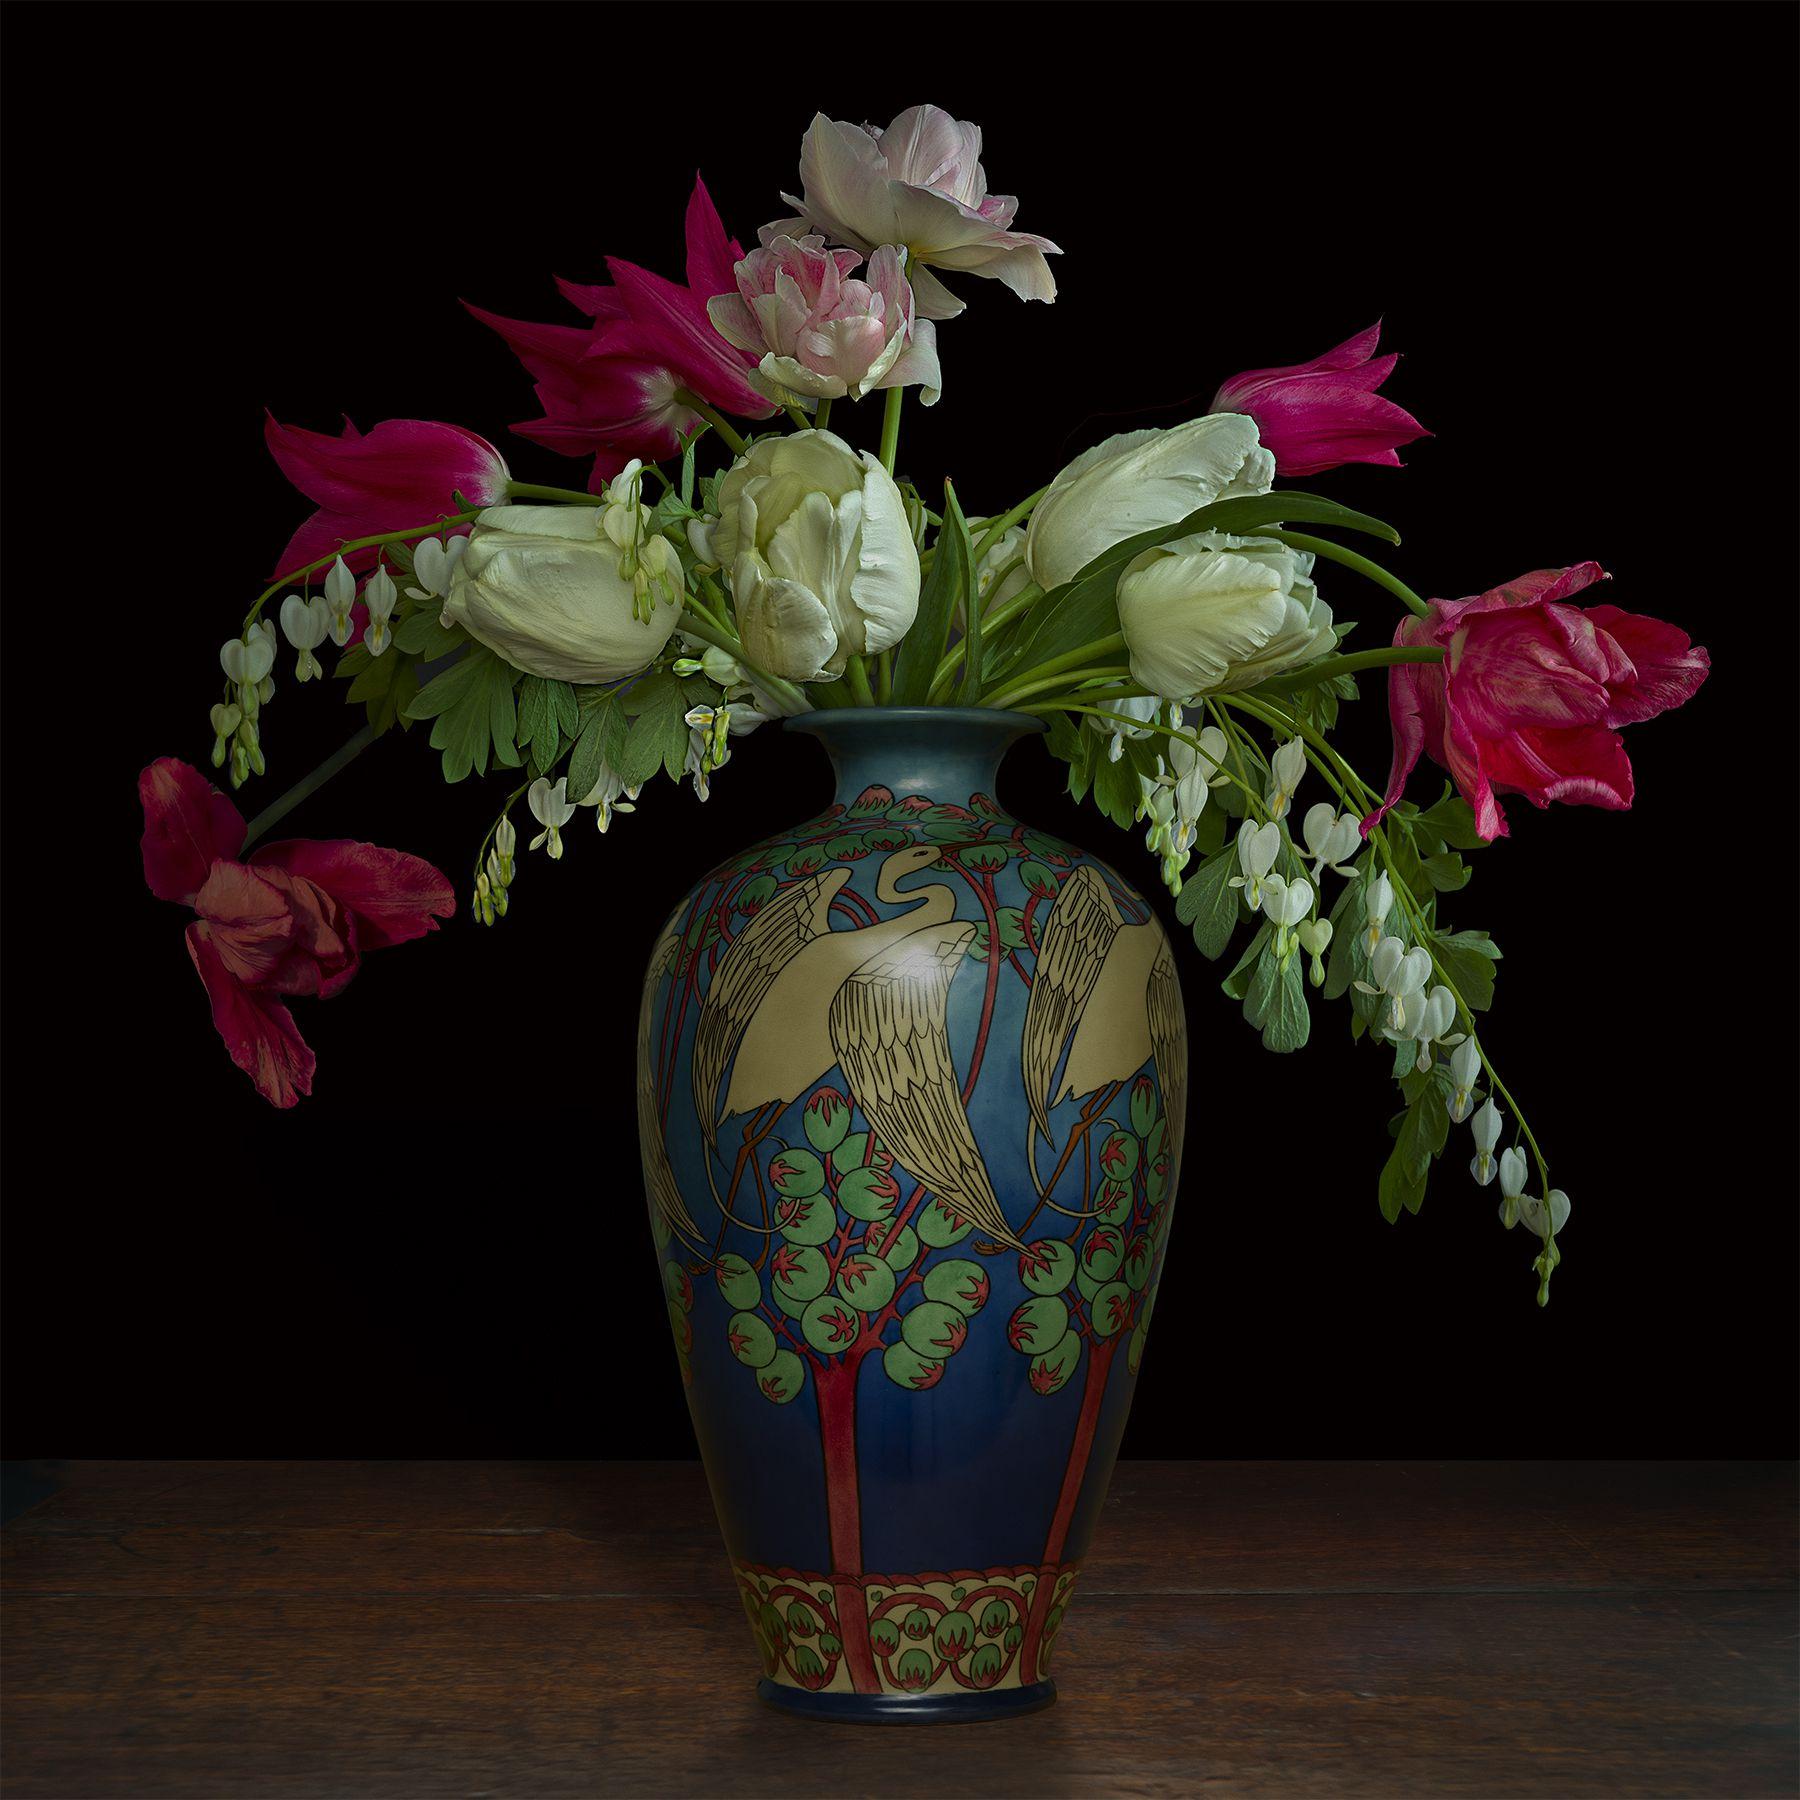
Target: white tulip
(1213, 613)
(1136, 482)
(542, 586)
(822, 565)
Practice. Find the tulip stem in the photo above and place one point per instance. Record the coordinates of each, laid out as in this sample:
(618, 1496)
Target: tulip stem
(1070, 659)
(1300, 540)
(1333, 666)
(801, 421)
(858, 675)
(708, 633)
(531, 490)
(1067, 679)
(996, 529)
(890, 427)
(278, 809)
(884, 686)
(365, 543)
(688, 398)
(823, 416)
(991, 622)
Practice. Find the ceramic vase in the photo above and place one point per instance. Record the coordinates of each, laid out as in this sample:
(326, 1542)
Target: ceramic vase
(911, 1087)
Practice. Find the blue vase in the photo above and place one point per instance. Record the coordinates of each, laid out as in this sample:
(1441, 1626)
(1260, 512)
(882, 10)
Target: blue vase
(911, 1085)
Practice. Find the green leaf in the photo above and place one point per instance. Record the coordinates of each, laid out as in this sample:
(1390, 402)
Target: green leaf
(547, 715)
(1118, 787)
(600, 743)
(1237, 983)
(658, 738)
(1453, 819)
(1209, 904)
(1398, 1188)
(1446, 871)
(419, 634)
(1468, 958)
(471, 706)
(946, 586)
(1084, 609)
(1423, 1136)
(384, 685)
(1287, 1019)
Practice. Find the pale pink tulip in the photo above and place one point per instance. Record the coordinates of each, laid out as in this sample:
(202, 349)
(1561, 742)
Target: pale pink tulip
(919, 185)
(822, 333)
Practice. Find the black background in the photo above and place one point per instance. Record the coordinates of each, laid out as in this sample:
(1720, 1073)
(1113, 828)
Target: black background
(1577, 224)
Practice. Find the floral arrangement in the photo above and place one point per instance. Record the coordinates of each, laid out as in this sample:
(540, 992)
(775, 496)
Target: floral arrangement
(746, 547)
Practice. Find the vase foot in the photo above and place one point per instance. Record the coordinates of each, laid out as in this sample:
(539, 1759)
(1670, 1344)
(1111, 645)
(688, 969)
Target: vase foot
(959, 1708)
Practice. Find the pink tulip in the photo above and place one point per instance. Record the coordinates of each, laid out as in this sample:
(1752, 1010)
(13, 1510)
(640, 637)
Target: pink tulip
(918, 185)
(821, 333)
(1324, 413)
(294, 918)
(1531, 693)
(608, 389)
(404, 472)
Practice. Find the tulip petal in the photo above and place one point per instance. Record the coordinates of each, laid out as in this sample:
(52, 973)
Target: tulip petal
(188, 826)
(258, 1030)
(391, 897)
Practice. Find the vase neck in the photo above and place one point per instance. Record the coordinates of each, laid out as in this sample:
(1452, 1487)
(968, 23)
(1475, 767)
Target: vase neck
(947, 752)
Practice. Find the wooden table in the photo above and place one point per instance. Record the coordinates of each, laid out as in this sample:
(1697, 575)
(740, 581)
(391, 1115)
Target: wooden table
(1279, 1628)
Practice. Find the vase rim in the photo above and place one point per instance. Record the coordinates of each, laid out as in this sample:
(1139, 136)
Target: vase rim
(824, 721)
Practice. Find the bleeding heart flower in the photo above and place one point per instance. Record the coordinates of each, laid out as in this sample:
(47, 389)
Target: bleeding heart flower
(294, 918)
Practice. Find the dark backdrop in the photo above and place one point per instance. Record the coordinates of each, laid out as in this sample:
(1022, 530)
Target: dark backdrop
(1575, 222)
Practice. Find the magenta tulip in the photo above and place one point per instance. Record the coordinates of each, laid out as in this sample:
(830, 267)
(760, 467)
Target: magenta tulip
(1531, 694)
(610, 389)
(1322, 414)
(405, 472)
(294, 918)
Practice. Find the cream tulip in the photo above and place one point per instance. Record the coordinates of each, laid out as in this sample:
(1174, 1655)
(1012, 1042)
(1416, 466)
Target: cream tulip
(1136, 482)
(543, 587)
(1213, 613)
(814, 538)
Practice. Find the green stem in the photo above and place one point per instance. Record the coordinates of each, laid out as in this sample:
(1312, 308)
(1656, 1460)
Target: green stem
(531, 490)
(1314, 674)
(823, 416)
(801, 421)
(1070, 659)
(884, 687)
(1336, 553)
(278, 809)
(890, 427)
(365, 543)
(708, 633)
(996, 529)
(1067, 678)
(692, 401)
(856, 671)
(1168, 731)
(991, 622)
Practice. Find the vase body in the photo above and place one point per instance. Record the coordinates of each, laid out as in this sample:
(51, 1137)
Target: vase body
(911, 1086)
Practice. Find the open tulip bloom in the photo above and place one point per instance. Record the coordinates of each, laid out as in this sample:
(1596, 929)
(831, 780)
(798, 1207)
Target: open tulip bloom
(746, 545)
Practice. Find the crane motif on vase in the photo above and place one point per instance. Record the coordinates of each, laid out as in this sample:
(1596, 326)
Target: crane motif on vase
(792, 997)
(1106, 993)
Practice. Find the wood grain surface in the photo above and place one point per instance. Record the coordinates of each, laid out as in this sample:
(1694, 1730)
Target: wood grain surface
(1242, 1628)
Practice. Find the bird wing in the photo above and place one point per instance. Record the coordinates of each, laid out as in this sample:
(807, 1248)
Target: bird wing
(659, 1177)
(778, 933)
(889, 1033)
(1168, 1035)
(1076, 936)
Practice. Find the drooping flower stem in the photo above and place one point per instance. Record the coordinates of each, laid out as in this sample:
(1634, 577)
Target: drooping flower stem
(1333, 666)
(1300, 540)
(279, 808)
(533, 490)
(446, 523)
(890, 427)
(686, 397)
(1357, 794)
